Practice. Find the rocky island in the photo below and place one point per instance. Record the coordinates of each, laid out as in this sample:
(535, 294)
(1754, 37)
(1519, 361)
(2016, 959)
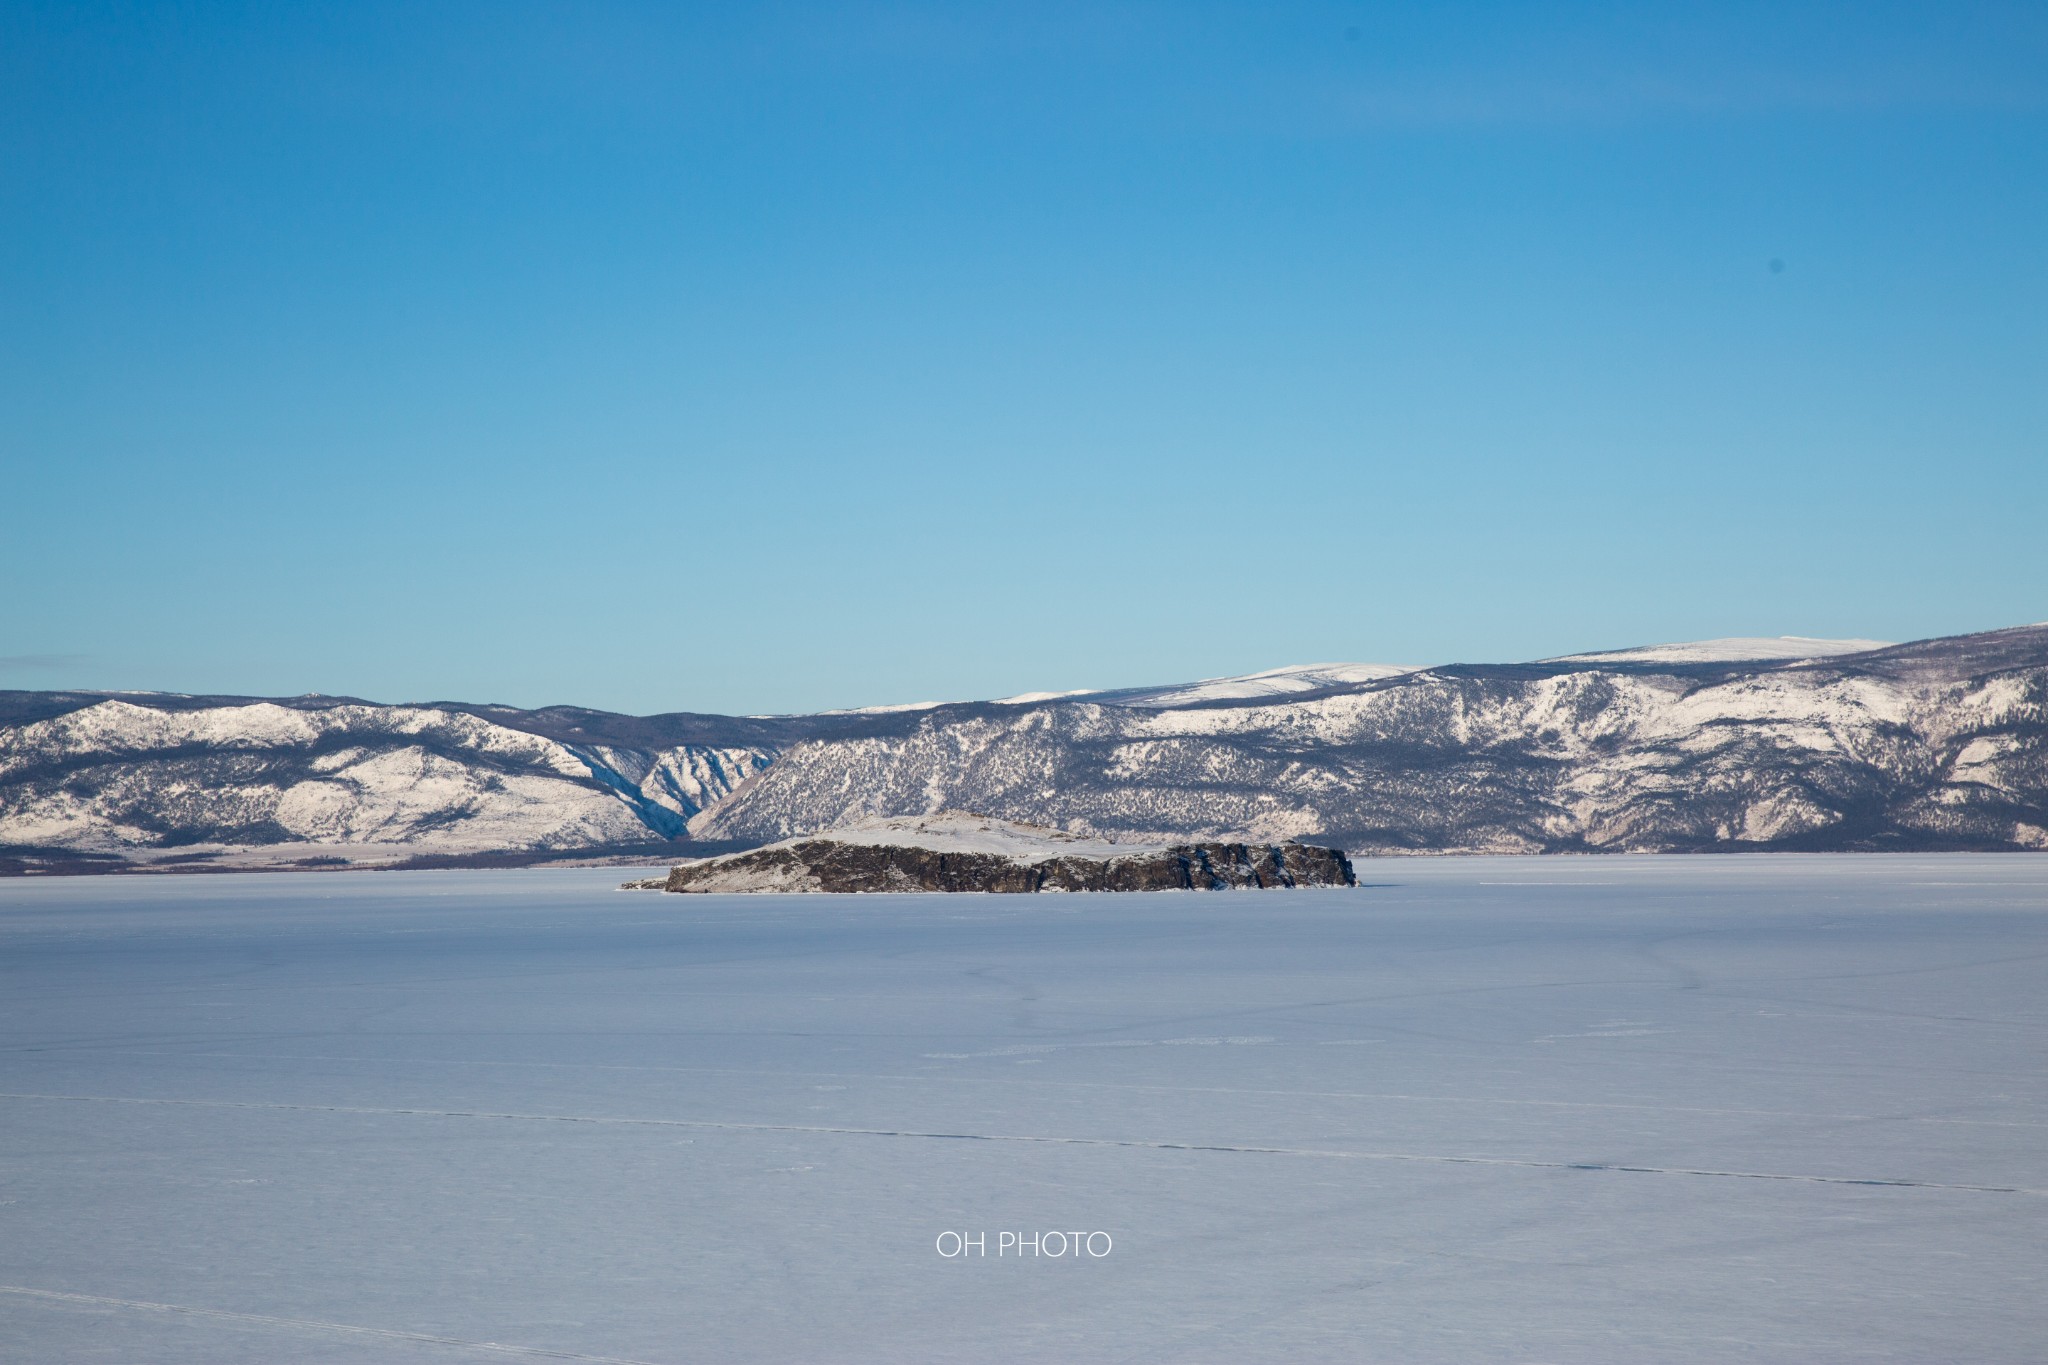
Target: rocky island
(952, 851)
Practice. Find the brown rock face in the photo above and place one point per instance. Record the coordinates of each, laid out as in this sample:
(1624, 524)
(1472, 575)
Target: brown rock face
(825, 864)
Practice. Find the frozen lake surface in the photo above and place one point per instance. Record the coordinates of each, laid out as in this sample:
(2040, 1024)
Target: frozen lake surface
(1619, 1109)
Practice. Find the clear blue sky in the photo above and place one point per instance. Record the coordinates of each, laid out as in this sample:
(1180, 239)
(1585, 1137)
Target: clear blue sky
(777, 357)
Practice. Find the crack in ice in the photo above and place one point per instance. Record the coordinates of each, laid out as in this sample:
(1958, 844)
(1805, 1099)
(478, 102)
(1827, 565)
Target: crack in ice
(315, 1324)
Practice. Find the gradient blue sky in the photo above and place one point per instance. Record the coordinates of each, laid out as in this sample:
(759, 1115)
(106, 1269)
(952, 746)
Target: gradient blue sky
(778, 357)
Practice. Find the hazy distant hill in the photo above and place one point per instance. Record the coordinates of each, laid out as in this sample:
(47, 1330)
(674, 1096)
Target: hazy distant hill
(1718, 745)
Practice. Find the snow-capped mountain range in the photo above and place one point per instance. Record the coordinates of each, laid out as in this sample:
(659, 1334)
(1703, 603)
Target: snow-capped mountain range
(1783, 743)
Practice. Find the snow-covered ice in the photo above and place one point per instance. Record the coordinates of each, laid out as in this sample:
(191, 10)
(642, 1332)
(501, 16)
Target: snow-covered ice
(1759, 1108)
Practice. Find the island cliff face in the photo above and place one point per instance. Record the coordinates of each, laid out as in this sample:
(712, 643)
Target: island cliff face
(954, 852)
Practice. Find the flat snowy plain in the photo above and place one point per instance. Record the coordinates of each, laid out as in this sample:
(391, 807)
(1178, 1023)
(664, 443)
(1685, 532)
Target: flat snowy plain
(1773, 1108)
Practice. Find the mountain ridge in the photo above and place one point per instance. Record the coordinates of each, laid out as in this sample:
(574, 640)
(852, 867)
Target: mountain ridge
(1939, 743)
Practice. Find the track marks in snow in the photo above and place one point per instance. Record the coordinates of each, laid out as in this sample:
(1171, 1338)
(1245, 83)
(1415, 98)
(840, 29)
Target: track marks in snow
(1140, 1144)
(949, 1078)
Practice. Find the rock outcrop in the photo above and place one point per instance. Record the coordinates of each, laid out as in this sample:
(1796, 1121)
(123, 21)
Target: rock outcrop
(958, 852)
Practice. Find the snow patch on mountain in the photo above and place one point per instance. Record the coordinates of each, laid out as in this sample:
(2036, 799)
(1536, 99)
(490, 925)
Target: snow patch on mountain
(1274, 682)
(890, 709)
(1733, 649)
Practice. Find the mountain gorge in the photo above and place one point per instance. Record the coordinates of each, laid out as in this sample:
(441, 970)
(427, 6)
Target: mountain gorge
(1933, 745)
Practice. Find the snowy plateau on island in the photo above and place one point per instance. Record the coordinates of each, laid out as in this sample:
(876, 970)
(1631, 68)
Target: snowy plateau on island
(1729, 745)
